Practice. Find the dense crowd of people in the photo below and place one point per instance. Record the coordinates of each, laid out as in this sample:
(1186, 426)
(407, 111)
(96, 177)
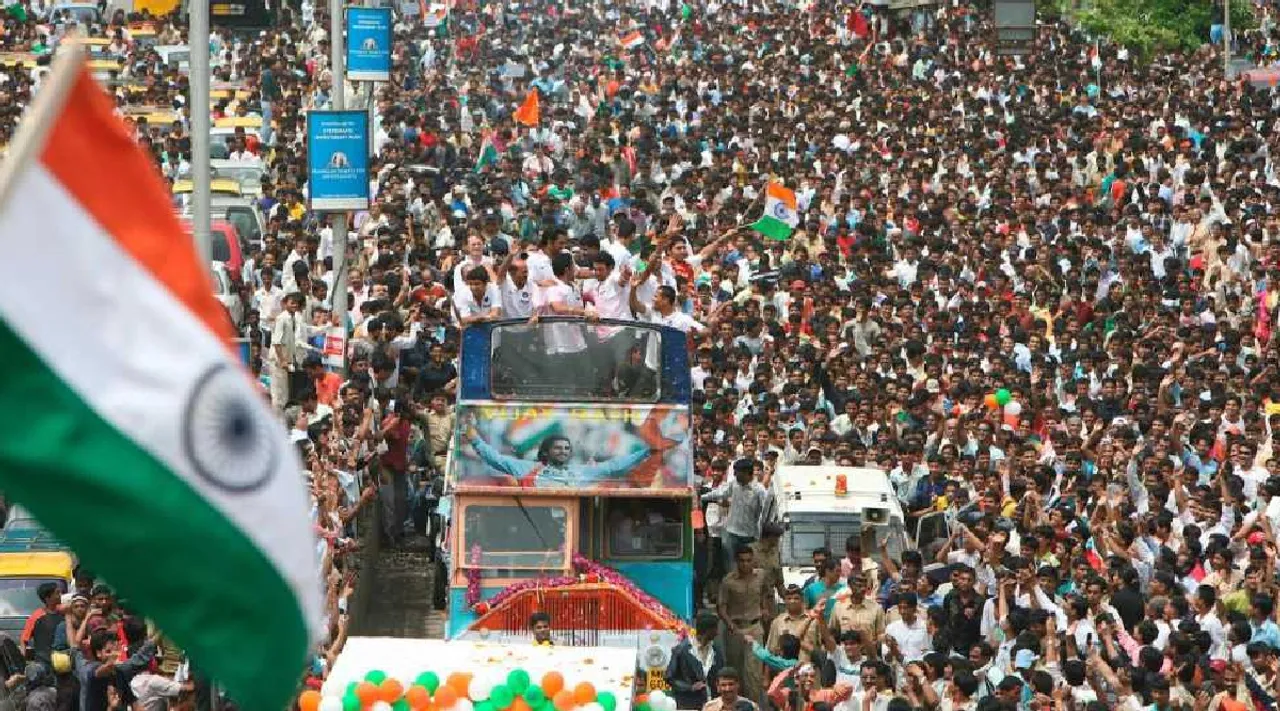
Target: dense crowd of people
(1093, 234)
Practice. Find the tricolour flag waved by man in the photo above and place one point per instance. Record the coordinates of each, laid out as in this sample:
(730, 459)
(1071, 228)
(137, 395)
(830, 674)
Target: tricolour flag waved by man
(436, 15)
(631, 40)
(780, 216)
(127, 424)
(488, 154)
(529, 113)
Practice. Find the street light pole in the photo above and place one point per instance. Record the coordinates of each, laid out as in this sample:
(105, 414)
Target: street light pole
(198, 110)
(338, 64)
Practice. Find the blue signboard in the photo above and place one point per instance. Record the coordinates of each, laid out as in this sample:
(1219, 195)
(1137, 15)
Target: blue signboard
(338, 160)
(369, 43)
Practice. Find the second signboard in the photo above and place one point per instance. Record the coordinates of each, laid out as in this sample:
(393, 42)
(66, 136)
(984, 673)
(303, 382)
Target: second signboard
(369, 43)
(338, 160)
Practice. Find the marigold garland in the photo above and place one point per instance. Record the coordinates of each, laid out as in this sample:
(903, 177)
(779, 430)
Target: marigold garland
(588, 571)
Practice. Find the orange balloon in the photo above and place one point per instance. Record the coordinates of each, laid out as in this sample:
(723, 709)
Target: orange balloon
(367, 693)
(445, 697)
(309, 700)
(519, 705)
(418, 697)
(564, 700)
(460, 682)
(552, 683)
(584, 693)
(391, 690)
(990, 401)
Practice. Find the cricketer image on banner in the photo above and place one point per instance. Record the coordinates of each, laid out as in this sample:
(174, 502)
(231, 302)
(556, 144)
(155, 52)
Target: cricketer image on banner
(338, 160)
(369, 43)
(620, 447)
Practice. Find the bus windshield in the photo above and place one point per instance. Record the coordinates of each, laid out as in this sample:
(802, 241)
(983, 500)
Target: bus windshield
(576, 360)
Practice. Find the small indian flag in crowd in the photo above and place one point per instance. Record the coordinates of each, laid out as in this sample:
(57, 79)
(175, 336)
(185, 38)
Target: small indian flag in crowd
(437, 15)
(632, 40)
(488, 154)
(780, 216)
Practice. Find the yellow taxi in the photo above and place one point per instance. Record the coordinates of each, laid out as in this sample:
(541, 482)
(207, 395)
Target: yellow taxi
(217, 186)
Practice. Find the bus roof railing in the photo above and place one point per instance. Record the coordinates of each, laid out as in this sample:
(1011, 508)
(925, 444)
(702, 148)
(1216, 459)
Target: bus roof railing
(665, 330)
(476, 369)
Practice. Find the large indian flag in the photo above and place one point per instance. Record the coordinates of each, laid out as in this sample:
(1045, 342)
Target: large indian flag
(780, 216)
(127, 425)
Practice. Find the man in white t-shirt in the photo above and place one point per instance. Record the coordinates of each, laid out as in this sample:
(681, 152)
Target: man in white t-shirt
(155, 691)
(565, 343)
(609, 290)
(664, 311)
(517, 288)
(479, 300)
(474, 257)
(907, 638)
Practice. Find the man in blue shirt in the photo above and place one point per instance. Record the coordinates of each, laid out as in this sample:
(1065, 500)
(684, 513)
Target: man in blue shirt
(821, 593)
(101, 668)
(1265, 629)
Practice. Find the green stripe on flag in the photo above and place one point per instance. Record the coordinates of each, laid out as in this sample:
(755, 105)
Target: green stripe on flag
(488, 156)
(162, 545)
(772, 228)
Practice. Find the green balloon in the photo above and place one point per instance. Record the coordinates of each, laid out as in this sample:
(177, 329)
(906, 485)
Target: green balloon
(351, 687)
(607, 700)
(518, 681)
(484, 706)
(350, 702)
(429, 681)
(502, 697)
(644, 706)
(376, 677)
(400, 705)
(1003, 396)
(534, 696)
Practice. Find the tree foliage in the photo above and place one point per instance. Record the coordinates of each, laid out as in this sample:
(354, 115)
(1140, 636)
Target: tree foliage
(1151, 26)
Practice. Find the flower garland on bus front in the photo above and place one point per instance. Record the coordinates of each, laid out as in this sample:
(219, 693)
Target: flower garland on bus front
(589, 571)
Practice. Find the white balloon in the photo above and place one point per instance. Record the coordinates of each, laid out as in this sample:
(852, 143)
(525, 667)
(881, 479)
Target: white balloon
(380, 706)
(331, 703)
(1013, 408)
(463, 705)
(481, 686)
(658, 699)
(592, 706)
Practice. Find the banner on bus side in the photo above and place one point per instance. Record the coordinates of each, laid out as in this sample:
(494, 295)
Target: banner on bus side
(634, 447)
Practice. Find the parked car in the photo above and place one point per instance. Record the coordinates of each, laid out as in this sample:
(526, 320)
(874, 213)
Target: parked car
(226, 289)
(226, 244)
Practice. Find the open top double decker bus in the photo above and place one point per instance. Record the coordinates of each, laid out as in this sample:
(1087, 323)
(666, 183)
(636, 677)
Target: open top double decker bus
(570, 486)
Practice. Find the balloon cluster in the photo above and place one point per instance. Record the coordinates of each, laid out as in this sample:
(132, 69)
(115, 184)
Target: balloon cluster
(997, 399)
(1003, 400)
(657, 701)
(463, 691)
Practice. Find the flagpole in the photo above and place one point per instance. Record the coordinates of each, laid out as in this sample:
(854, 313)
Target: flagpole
(198, 111)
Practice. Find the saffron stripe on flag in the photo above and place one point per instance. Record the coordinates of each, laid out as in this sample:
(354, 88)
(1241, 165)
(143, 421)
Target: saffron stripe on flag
(106, 173)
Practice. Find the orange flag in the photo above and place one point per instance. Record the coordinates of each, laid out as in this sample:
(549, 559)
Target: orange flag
(528, 113)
